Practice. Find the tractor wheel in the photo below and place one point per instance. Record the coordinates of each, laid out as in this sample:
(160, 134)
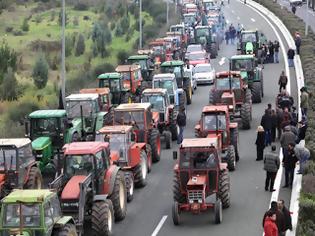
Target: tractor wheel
(262, 82)
(248, 96)
(182, 100)
(67, 230)
(224, 189)
(231, 158)
(177, 195)
(256, 92)
(35, 180)
(168, 139)
(141, 170)
(245, 115)
(119, 197)
(173, 125)
(234, 140)
(129, 185)
(218, 212)
(149, 156)
(213, 51)
(175, 213)
(102, 219)
(189, 94)
(155, 143)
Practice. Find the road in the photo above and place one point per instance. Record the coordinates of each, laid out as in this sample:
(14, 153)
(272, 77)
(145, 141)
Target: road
(150, 211)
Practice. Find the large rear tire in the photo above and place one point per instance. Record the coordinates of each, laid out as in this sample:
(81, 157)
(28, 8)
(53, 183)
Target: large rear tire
(248, 96)
(155, 143)
(188, 91)
(224, 189)
(119, 197)
(256, 92)
(141, 171)
(35, 180)
(102, 218)
(177, 195)
(168, 139)
(246, 115)
(67, 230)
(231, 159)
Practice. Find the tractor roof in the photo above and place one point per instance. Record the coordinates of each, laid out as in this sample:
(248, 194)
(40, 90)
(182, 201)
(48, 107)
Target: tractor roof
(47, 114)
(247, 56)
(144, 52)
(112, 75)
(189, 14)
(138, 57)
(172, 63)
(79, 148)
(215, 108)
(82, 97)
(115, 129)
(164, 76)
(224, 74)
(14, 142)
(125, 68)
(202, 27)
(100, 91)
(199, 142)
(133, 106)
(28, 196)
(155, 91)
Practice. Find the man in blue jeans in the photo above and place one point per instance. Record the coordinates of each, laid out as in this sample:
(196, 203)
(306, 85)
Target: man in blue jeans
(181, 122)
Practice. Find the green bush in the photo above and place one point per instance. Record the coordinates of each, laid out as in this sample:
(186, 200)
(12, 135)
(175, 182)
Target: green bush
(103, 68)
(122, 56)
(40, 72)
(307, 208)
(8, 58)
(25, 26)
(20, 111)
(9, 87)
(80, 46)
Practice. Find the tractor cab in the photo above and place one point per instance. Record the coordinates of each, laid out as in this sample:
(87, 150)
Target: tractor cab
(210, 5)
(131, 77)
(190, 19)
(18, 168)
(158, 49)
(104, 97)
(249, 42)
(33, 212)
(147, 67)
(48, 130)
(84, 112)
(180, 28)
(203, 35)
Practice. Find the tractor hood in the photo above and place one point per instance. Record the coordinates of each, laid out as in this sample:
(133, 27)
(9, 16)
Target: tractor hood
(196, 182)
(41, 143)
(16, 232)
(72, 189)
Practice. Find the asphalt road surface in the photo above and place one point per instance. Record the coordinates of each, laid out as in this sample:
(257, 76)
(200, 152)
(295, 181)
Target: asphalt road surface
(150, 211)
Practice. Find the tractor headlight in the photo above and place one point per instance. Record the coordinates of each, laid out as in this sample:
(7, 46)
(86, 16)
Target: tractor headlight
(231, 107)
(191, 201)
(199, 200)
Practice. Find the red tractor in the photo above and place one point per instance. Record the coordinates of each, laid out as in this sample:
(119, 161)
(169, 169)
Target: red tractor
(198, 174)
(133, 158)
(215, 121)
(90, 187)
(229, 89)
(144, 123)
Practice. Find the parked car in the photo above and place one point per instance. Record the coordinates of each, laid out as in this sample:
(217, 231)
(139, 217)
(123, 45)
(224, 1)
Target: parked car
(199, 57)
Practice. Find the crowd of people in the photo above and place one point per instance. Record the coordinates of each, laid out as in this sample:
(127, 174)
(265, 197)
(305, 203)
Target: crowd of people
(232, 33)
(282, 123)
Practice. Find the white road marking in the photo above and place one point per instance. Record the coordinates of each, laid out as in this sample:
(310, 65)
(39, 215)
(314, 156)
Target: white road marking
(238, 18)
(159, 226)
(227, 21)
(222, 61)
(252, 19)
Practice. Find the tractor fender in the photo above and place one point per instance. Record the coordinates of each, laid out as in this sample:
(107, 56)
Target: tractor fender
(71, 132)
(110, 178)
(63, 221)
(100, 197)
(135, 151)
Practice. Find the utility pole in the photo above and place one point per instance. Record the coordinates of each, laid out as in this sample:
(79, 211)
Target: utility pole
(63, 55)
(167, 10)
(140, 24)
(307, 18)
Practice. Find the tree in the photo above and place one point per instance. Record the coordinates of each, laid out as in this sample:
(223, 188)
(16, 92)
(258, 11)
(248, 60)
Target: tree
(8, 58)
(80, 46)
(40, 72)
(101, 36)
(25, 26)
(9, 87)
(68, 45)
(60, 18)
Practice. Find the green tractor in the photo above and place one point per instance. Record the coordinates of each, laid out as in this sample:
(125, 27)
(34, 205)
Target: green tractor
(203, 35)
(251, 73)
(184, 82)
(32, 213)
(85, 116)
(147, 67)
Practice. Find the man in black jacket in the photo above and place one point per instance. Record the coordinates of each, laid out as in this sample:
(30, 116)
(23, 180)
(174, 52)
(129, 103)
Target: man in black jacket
(181, 122)
(289, 161)
(291, 55)
(286, 214)
(266, 122)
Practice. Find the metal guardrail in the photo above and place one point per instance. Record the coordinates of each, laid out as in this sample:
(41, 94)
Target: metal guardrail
(295, 194)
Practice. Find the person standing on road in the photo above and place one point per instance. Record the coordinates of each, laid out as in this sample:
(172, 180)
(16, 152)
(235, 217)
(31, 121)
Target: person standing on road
(271, 52)
(283, 81)
(270, 227)
(286, 214)
(276, 48)
(291, 55)
(298, 42)
(301, 153)
(266, 122)
(304, 97)
(302, 130)
(227, 36)
(271, 166)
(279, 217)
(289, 162)
(181, 122)
(260, 143)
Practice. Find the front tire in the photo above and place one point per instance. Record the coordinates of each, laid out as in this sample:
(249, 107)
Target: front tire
(175, 213)
(231, 158)
(246, 115)
(218, 212)
(155, 143)
(102, 218)
(224, 189)
(177, 195)
(256, 92)
(141, 171)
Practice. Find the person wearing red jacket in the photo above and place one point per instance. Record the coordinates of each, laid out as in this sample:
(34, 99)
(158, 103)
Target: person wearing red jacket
(270, 227)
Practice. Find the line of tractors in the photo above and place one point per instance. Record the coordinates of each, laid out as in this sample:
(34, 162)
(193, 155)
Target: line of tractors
(91, 155)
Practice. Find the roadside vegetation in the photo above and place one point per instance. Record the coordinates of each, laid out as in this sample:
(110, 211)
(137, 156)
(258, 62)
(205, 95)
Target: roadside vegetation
(306, 224)
(99, 35)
